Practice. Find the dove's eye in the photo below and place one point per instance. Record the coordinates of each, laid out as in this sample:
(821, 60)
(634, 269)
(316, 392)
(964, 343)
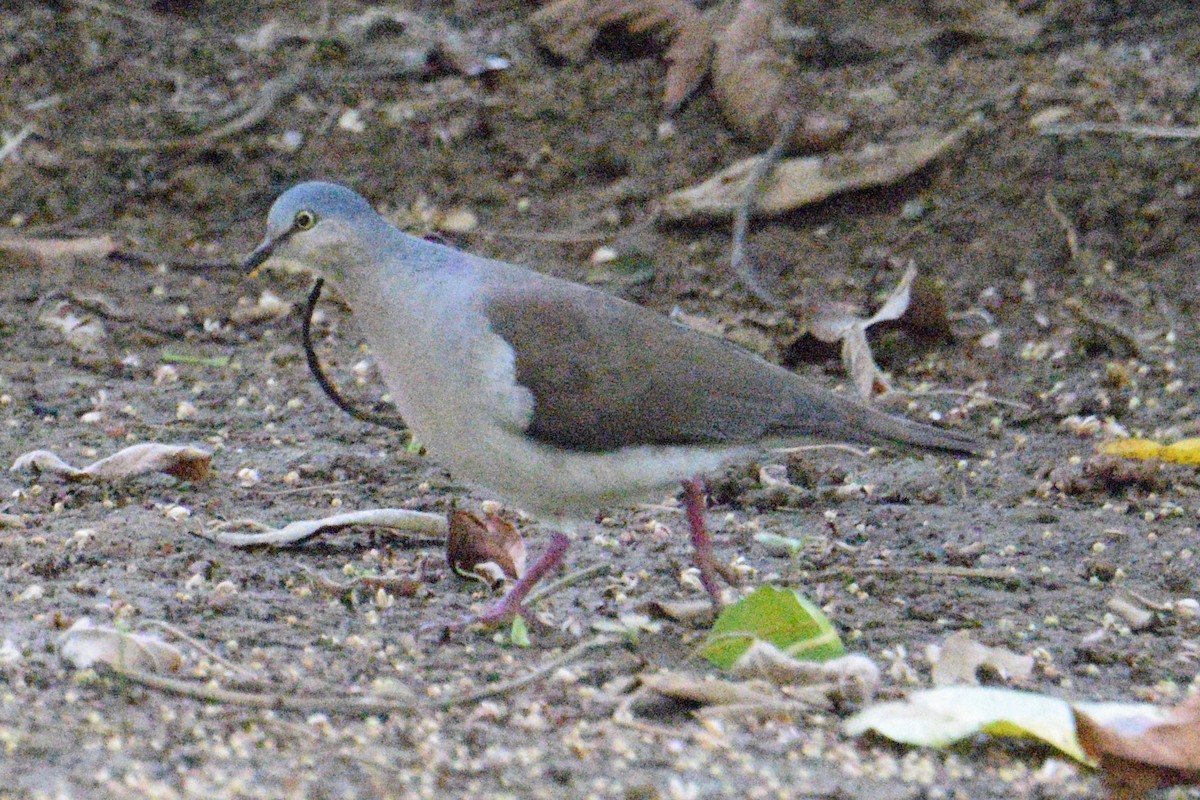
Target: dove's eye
(305, 220)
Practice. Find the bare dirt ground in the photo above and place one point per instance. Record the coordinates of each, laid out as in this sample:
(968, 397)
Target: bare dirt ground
(548, 155)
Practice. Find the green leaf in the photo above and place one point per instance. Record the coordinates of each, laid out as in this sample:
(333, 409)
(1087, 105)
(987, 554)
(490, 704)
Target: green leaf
(782, 617)
(519, 633)
(204, 361)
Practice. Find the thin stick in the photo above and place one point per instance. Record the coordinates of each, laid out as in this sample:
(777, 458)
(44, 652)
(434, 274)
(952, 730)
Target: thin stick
(1121, 129)
(741, 218)
(975, 573)
(804, 448)
(967, 393)
(273, 93)
(1065, 223)
(510, 686)
(322, 487)
(406, 586)
(286, 701)
(364, 704)
(568, 580)
(203, 648)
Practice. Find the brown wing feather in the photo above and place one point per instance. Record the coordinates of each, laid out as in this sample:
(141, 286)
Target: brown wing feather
(607, 374)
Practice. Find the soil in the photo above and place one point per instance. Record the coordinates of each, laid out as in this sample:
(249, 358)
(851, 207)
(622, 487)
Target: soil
(556, 159)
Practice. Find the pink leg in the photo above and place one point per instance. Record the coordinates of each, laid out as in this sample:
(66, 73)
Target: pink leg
(510, 605)
(709, 566)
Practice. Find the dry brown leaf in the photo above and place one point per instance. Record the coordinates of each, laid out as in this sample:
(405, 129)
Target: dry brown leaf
(960, 658)
(1138, 755)
(86, 643)
(570, 27)
(679, 610)
(757, 86)
(180, 461)
(833, 322)
(490, 549)
(797, 182)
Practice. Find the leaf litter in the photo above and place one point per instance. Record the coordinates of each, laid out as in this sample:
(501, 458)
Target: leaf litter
(181, 461)
(85, 644)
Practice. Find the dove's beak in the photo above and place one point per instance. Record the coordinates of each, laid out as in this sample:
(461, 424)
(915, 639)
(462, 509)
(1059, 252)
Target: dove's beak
(253, 263)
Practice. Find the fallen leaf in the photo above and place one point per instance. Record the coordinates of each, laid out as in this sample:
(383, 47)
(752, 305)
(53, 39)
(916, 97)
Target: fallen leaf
(83, 334)
(679, 610)
(831, 322)
(86, 643)
(418, 522)
(518, 632)
(707, 690)
(858, 675)
(1141, 752)
(782, 617)
(797, 182)
(779, 546)
(757, 86)
(58, 251)
(1136, 613)
(959, 659)
(490, 549)
(941, 717)
(180, 461)
(1184, 451)
(568, 28)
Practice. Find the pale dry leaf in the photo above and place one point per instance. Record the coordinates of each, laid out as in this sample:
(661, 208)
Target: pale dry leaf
(851, 675)
(831, 322)
(706, 690)
(757, 87)
(416, 522)
(797, 182)
(487, 548)
(181, 461)
(87, 335)
(86, 643)
(1140, 753)
(869, 380)
(58, 251)
(959, 659)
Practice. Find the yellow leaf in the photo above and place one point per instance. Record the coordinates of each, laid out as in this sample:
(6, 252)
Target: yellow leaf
(1185, 451)
(1133, 448)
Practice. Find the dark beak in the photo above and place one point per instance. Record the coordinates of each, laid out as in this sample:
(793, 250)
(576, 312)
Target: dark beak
(260, 254)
